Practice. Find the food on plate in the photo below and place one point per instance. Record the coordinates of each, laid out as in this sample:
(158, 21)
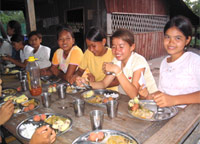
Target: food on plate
(26, 109)
(9, 98)
(31, 106)
(117, 139)
(113, 95)
(138, 110)
(96, 136)
(58, 122)
(17, 110)
(19, 88)
(14, 71)
(21, 99)
(27, 130)
(43, 116)
(70, 89)
(105, 100)
(97, 99)
(88, 94)
(52, 88)
(9, 91)
(36, 118)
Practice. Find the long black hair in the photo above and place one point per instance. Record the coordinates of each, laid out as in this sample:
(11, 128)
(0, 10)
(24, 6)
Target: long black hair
(95, 34)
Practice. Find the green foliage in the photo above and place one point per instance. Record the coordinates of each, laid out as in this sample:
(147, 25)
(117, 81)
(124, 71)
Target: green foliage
(194, 6)
(6, 16)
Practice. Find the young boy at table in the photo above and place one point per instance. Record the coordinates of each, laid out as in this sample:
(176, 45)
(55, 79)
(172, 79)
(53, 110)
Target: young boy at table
(25, 51)
(128, 66)
(42, 135)
(41, 52)
(179, 81)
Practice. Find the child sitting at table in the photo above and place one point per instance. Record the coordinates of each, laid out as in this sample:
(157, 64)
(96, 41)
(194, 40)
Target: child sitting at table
(41, 52)
(94, 57)
(179, 81)
(128, 66)
(19, 45)
(67, 58)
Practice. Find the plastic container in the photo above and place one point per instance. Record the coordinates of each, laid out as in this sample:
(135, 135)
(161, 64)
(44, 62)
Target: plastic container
(33, 77)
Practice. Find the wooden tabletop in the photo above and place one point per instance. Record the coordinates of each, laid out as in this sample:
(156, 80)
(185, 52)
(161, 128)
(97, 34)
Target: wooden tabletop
(172, 131)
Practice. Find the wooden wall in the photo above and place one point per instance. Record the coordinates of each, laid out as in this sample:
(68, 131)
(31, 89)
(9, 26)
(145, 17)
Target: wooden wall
(137, 6)
(150, 45)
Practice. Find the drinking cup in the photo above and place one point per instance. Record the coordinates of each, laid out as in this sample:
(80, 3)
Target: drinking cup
(24, 85)
(96, 119)
(112, 108)
(46, 99)
(62, 91)
(79, 107)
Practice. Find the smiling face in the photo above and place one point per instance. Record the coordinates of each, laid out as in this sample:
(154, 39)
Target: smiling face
(35, 41)
(174, 42)
(65, 40)
(97, 48)
(121, 49)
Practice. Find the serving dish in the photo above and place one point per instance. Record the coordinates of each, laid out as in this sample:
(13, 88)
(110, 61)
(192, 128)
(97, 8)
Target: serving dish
(72, 88)
(105, 136)
(99, 97)
(60, 123)
(148, 110)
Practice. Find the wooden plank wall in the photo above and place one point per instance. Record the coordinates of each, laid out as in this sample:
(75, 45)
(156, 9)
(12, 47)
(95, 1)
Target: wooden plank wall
(137, 6)
(150, 45)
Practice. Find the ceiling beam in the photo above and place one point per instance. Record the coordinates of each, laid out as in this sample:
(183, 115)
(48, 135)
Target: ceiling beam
(30, 11)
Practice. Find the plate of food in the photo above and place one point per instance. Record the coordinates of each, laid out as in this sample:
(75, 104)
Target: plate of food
(149, 111)
(10, 71)
(60, 123)
(72, 88)
(8, 91)
(22, 103)
(99, 97)
(106, 136)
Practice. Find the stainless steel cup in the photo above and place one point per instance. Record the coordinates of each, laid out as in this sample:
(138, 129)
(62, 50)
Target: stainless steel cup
(112, 108)
(79, 107)
(62, 91)
(96, 119)
(24, 85)
(46, 99)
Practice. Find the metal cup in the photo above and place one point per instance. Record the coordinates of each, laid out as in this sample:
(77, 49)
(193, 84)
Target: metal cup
(62, 91)
(96, 119)
(112, 108)
(21, 75)
(46, 99)
(24, 84)
(79, 107)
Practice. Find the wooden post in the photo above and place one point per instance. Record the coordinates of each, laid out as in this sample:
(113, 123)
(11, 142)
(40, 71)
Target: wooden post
(30, 12)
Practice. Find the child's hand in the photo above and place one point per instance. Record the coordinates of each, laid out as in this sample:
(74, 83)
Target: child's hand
(110, 67)
(90, 77)
(43, 135)
(163, 100)
(6, 111)
(80, 81)
(143, 92)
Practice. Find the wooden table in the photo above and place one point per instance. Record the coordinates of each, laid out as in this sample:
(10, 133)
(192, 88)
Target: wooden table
(174, 130)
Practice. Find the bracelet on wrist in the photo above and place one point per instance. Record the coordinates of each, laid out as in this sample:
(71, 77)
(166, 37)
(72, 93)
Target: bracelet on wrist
(118, 73)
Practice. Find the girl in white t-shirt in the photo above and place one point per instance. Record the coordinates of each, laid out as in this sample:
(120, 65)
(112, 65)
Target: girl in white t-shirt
(179, 81)
(128, 67)
(19, 45)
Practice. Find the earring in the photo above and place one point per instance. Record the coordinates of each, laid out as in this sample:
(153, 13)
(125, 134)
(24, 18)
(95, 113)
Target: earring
(185, 48)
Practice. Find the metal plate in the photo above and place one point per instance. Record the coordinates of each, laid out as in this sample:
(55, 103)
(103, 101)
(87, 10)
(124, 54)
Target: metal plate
(50, 79)
(8, 91)
(20, 106)
(29, 125)
(166, 113)
(84, 139)
(72, 89)
(97, 96)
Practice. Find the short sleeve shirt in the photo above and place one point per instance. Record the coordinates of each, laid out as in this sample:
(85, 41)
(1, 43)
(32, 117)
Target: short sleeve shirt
(94, 63)
(74, 58)
(26, 52)
(136, 62)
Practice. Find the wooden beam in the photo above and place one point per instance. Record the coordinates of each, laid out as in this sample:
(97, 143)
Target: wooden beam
(30, 10)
